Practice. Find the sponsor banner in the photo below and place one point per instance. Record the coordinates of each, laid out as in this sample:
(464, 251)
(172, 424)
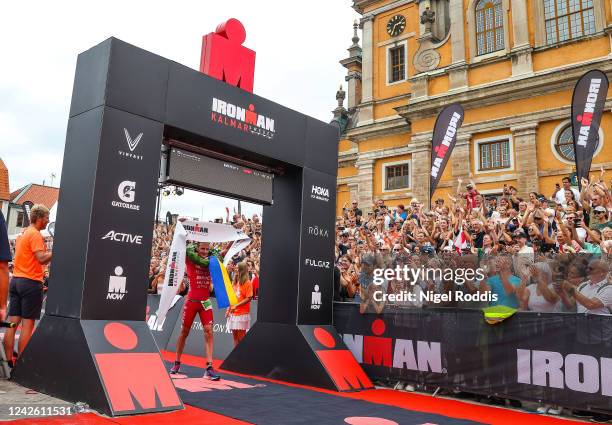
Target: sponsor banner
(162, 330)
(588, 103)
(557, 359)
(224, 341)
(26, 208)
(443, 141)
(198, 231)
(317, 250)
(123, 206)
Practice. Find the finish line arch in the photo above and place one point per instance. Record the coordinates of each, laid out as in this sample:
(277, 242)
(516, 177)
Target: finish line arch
(126, 102)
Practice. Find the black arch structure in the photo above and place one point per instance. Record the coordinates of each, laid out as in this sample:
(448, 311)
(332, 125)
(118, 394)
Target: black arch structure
(121, 91)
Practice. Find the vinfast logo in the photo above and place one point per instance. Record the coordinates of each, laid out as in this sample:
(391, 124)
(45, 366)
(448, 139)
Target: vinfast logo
(116, 285)
(315, 300)
(132, 145)
(317, 263)
(320, 193)
(126, 191)
(242, 119)
(123, 237)
(397, 353)
(577, 372)
(318, 231)
(587, 115)
(442, 149)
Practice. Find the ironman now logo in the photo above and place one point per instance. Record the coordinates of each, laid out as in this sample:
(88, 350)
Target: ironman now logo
(315, 300)
(116, 285)
(126, 192)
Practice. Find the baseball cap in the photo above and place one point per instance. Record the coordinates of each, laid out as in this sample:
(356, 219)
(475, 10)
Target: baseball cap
(519, 234)
(599, 208)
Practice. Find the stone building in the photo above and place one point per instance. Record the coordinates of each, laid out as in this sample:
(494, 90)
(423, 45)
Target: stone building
(512, 64)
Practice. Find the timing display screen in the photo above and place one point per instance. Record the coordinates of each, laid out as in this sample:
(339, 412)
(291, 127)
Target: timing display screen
(219, 177)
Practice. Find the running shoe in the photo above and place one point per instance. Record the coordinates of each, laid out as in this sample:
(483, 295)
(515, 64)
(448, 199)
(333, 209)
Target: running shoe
(210, 374)
(175, 369)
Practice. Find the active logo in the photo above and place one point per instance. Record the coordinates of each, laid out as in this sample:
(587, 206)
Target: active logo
(123, 237)
(317, 263)
(577, 372)
(315, 302)
(318, 231)
(126, 191)
(587, 115)
(242, 119)
(132, 145)
(320, 193)
(116, 285)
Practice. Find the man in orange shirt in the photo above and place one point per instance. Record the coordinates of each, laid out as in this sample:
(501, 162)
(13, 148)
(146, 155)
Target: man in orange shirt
(5, 258)
(26, 287)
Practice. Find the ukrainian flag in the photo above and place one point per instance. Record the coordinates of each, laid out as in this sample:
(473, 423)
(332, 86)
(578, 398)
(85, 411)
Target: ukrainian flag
(222, 284)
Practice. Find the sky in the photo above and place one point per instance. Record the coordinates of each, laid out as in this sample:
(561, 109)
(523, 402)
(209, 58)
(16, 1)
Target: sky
(298, 45)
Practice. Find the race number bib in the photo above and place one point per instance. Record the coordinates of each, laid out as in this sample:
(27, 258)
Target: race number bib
(207, 304)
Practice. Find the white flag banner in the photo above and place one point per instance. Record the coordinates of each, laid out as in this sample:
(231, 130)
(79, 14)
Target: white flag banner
(175, 270)
(198, 231)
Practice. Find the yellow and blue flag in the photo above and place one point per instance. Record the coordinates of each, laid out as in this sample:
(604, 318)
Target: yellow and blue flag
(222, 284)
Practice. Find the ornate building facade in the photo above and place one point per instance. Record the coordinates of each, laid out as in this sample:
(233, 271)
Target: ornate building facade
(512, 64)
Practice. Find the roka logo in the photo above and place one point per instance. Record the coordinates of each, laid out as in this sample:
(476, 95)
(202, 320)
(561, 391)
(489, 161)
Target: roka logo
(587, 115)
(123, 237)
(317, 263)
(243, 119)
(577, 372)
(126, 191)
(132, 145)
(116, 285)
(318, 231)
(320, 193)
(315, 301)
(394, 352)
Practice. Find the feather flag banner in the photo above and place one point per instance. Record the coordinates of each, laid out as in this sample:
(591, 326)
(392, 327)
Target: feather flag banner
(222, 284)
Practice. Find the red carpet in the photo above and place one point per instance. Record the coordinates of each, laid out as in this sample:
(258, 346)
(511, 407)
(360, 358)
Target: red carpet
(417, 402)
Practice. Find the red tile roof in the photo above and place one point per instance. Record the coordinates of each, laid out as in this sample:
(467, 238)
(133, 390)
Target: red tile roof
(4, 182)
(36, 193)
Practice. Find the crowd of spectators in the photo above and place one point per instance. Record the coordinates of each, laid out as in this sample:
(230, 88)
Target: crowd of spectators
(537, 252)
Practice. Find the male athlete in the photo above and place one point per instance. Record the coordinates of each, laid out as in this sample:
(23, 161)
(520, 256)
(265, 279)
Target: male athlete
(198, 302)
